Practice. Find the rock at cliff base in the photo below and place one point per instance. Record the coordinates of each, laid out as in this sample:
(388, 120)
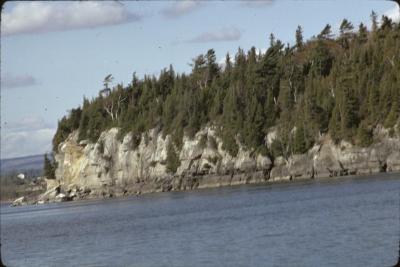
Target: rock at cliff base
(50, 195)
(62, 198)
(19, 202)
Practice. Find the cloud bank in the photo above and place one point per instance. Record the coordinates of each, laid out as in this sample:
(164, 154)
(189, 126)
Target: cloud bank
(26, 143)
(28, 123)
(10, 81)
(29, 136)
(394, 13)
(222, 35)
(180, 8)
(36, 17)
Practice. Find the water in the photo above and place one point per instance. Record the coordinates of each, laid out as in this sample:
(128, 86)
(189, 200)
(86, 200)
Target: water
(344, 222)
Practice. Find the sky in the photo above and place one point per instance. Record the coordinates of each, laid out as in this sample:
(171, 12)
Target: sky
(55, 53)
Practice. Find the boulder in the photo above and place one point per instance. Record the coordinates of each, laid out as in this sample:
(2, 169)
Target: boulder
(245, 163)
(263, 162)
(51, 183)
(62, 198)
(393, 162)
(301, 167)
(19, 202)
(280, 171)
(50, 195)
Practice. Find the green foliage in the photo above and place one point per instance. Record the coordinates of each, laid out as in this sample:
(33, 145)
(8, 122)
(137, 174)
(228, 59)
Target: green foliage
(364, 135)
(323, 85)
(49, 167)
(322, 59)
(300, 145)
(173, 161)
(229, 143)
(277, 148)
(66, 126)
(326, 32)
(299, 37)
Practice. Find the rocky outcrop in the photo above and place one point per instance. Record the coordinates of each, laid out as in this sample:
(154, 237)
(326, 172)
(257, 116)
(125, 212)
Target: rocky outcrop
(112, 167)
(326, 159)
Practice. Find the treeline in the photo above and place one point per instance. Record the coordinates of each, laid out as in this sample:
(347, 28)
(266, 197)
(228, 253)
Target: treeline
(343, 85)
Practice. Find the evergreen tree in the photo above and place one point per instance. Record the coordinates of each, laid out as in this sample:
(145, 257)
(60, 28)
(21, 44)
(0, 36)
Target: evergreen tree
(326, 33)
(173, 161)
(49, 168)
(374, 21)
(345, 33)
(362, 34)
(344, 86)
(299, 37)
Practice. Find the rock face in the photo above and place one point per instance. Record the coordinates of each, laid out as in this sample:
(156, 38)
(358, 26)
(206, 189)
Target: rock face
(112, 167)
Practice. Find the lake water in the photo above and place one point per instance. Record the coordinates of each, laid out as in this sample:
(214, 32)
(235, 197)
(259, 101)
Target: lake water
(340, 222)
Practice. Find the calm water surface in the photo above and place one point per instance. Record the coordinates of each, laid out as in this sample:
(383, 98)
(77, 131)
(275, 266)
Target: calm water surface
(344, 222)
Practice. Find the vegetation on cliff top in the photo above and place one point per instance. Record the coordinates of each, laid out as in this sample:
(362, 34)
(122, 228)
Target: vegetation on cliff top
(343, 85)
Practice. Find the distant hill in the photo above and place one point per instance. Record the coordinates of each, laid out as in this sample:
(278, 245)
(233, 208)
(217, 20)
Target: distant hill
(29, 163)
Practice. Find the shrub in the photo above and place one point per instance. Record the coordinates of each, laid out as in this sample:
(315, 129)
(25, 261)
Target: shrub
(49, 167)
(364, 135)
(173, 161)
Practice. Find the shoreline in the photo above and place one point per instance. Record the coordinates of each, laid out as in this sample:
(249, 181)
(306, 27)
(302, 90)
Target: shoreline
(268, 182)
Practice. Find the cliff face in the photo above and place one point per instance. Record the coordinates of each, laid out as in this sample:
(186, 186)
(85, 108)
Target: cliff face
(111, 167)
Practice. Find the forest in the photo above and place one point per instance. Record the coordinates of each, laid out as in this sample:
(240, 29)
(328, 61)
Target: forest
(342, 85)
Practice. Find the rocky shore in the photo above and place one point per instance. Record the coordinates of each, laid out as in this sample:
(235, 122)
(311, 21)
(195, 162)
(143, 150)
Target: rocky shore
(112, 168)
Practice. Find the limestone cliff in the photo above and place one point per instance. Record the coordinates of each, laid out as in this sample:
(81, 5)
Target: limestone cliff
(111, 167)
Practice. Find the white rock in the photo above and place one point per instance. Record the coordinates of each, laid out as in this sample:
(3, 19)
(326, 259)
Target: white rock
(19, 201)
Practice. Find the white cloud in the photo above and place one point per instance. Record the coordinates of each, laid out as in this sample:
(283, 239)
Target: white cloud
(30, 135)
(180, 8)
(224, 34)
(25, 143)
(28, 123)
(394, 13)
(9, 81)
(34, 17)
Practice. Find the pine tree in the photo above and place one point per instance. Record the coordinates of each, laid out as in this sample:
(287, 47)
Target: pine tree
(326, 33)
(323, 84)
(49, 168)
(322, 59)
(334, 125)
(362, 34)
(299, 37)
(345, 33)
(173, 161)
(299, 142)
(364, 135)
(374, 21)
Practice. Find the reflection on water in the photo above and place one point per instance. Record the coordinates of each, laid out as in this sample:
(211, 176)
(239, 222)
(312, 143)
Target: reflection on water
(344, 222)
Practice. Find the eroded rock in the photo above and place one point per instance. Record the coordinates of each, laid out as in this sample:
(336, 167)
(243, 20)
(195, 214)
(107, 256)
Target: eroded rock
(113, 167)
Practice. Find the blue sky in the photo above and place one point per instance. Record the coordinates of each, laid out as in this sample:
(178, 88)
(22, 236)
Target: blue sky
(54, 53)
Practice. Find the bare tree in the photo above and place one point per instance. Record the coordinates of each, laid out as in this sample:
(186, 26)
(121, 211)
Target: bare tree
(113, 107)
